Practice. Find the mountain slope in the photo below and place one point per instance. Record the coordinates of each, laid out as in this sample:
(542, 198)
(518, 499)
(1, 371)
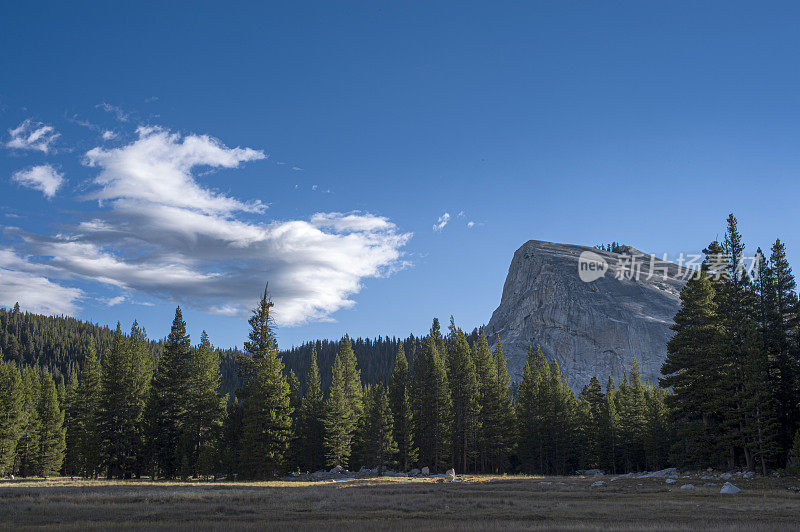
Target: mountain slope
(590, 328)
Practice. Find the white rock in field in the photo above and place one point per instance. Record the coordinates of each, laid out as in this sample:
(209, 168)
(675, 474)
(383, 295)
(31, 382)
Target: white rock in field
(729, 488)
(336, 469)
(414, 472)
(590, 472)
(726, 476)
(426, 471)
(451, 473)
(671, 481)
(688, 487)
(598, 484)
(749, 474)
(663, 473)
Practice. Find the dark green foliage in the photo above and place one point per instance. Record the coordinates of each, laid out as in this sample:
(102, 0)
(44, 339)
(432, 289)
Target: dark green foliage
(402, 412)
(432, 403)
(27, 455)
(466, 408)
(344, 407)
(51, 441)
(379, 444)
(70, 407)
(310, 434)
(87, 416)
(266, 403)
(12, 397)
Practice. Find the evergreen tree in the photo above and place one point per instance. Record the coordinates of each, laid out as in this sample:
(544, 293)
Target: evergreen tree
(591, 401)
(488, 398)
(400, 401)
(124, 379)
(51, 441)
(87, 416)
(70, 465)
(27, 455)
(266, 415)
(206, 408)
(379, 446)
(531, 408)
(432, 403)
(310, 427)
(344, 407)
(505, 433)
(695, 372)
(608, 433)
(657, 431)
(465, 396)
(170, 399)
(632, 417)
(11, 413)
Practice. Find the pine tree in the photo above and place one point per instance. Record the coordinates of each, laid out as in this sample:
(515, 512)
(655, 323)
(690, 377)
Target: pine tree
(124, 382)
(11, 413)
(562, 420)
(591, 412)
(657, 432)
(266, 414)
(51, 441)
(310, 427)
(465, 396)
(694, 371)
(87, 415)
(70, 465)
(206, 408)
(632, 416)
(488, 400)
(400, 401)
(506, 432)
(344, 407)
(531, 409)
(27, 455)
(432, 403)
(167, 416)
(380, 446)
(608, 433)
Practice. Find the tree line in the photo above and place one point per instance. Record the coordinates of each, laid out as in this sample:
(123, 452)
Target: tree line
(729, 398)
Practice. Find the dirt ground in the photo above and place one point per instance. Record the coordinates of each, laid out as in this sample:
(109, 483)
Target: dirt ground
(471, 502)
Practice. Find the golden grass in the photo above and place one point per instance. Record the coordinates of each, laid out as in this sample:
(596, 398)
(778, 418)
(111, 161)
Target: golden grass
(476, 502)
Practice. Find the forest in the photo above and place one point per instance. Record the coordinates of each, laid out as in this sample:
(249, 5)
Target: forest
(81, 400)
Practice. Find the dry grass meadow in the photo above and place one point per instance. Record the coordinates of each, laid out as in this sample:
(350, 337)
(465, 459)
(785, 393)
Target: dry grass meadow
(473, 502)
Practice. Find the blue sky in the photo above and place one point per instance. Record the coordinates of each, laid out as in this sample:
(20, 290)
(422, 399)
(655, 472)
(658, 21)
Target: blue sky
(317, 144)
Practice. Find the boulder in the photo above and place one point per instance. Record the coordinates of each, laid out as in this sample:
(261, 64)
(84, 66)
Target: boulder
(726, 476)
(337, 469)
(451, 473)
(688, 487)
(426, 471)
(749, 474)
(414, 472)
(598, 484)
(671, 481)
(663, 473)
(729, 489)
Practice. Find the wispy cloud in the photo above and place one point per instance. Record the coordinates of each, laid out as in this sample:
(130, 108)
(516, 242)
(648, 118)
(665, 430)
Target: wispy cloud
(118, 113)
(44, 178)
(23, 282)
(441, 222)
(109, 135)
(31, 135)
(470, 224)
(161, 232)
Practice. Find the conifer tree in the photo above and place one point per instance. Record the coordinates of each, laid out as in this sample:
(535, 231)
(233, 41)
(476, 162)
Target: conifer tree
(531, 408)
(693, 370)
(11, 413)
(380, 446)
(167, 416)
(124, 379)
(488, 400)
(267, 413)
(70, 465)
(506, 432)
(310, 427)
(87, 415)
(632, 416)
(344, 407)
(400, 401)
(206, 408)
(591, 412)
(27, 455)
(657, 433)
(465, 396)
(432, 403)
(608, 434)
(51, 441)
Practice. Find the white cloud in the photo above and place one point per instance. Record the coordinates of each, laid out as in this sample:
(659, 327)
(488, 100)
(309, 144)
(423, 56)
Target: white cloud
(441, 222)
(44, 178)
(109, 135)
(120, 115)
(158, 166)
(160, 232)
(32, 136)
(114, 301)
(470, 224)
(23, 281)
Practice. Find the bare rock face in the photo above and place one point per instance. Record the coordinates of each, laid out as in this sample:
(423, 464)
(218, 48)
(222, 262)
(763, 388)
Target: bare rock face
(590, 328)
